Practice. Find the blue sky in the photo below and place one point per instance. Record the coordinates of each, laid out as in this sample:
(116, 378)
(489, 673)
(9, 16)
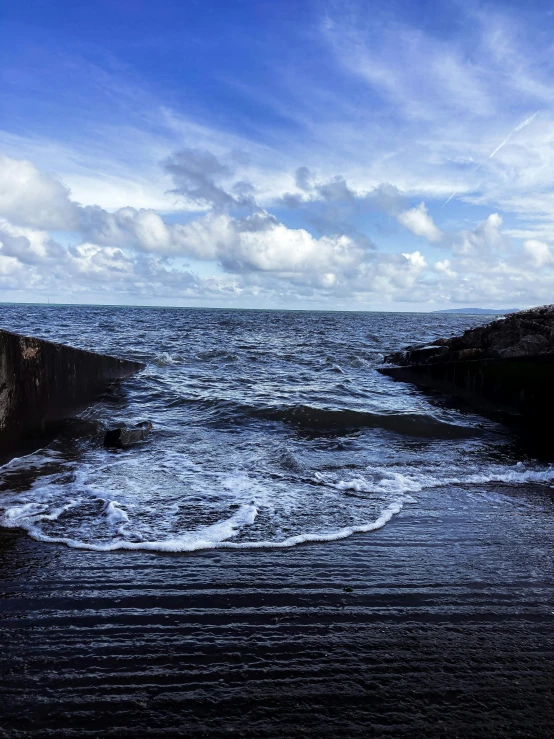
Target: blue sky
(277, 154)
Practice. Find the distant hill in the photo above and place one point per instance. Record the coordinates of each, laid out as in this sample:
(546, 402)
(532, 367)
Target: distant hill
(478, 311)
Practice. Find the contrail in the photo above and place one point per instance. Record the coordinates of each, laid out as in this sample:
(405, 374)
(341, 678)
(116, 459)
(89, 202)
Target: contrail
(449, 199)
(521, 125)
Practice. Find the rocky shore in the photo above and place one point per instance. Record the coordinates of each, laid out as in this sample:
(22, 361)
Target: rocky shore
(522, 334)
(505, 366)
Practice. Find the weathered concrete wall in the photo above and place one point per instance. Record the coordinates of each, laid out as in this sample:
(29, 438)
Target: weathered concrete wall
(517, 385)
(42, 382)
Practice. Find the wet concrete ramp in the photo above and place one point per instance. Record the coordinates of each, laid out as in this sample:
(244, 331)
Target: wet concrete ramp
(444, 630)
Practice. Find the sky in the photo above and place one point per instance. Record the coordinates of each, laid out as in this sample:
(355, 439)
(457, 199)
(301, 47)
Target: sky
(294, 154)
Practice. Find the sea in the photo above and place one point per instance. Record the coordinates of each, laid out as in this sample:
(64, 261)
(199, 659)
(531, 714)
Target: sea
(271, 429)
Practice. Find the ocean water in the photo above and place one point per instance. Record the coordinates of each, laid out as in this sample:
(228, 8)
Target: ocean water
(271, 429)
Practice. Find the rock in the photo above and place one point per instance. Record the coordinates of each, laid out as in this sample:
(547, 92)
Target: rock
(122, 437)
(528, 345)
(469, 353)
(505, 367)
(523, 334)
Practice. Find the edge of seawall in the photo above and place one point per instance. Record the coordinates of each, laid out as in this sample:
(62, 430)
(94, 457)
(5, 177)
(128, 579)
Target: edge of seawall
(522, 386)
(42, 383)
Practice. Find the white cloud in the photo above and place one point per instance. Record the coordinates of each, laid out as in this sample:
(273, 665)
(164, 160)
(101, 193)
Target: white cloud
(135, 252)
(445, 268)
(257, 242)
(539, 252)
(27, 245)
(416, 259)
(482, 241)
(31, 198)
(419, 222)
(281, 249)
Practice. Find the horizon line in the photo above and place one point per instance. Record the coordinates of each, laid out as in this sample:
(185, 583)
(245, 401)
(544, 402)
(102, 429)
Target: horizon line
(287, 310)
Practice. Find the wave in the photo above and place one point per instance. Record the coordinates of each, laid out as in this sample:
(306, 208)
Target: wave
(331, 419)
(410, 424)
(378, 480)
(164, 359)
(215, 355)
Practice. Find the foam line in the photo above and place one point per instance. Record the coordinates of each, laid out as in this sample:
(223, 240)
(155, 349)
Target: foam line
(186, 545)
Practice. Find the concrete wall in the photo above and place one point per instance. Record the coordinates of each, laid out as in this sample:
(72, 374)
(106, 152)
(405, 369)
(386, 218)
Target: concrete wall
(42, 382)
(519, 385)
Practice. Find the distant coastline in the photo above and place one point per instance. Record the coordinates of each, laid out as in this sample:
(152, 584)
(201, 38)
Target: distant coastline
(478, 311)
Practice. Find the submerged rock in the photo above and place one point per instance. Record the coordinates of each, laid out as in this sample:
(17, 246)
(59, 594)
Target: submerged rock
(523, 334)
(122, 437)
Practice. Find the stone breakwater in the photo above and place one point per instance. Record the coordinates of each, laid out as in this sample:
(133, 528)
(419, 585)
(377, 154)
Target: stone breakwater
(42, 383)
(523, 334)
(506, 365)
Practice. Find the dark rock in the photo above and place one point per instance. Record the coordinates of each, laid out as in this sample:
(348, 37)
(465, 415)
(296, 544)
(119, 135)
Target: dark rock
(122, 437)
(507, 365)
(528, 345)
(470, 353)
(523, 334)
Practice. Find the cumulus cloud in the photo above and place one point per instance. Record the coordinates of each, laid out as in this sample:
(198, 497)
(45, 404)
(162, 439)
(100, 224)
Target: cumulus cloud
(257, 242)
(29, 246)
(444, 267)
(311, 190)
(419, 222)
(284, 250)
(416, 259)
(307, 269)
(36, 262)
(125, 227)
(30, 198)
(136, 252)
(539, 252)
(332, 206)
(482, 241)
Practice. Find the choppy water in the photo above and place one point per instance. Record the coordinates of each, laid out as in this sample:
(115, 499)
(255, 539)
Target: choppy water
(270, 429)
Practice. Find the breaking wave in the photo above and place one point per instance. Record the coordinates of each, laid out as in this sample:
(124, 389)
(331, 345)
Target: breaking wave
(205, 509)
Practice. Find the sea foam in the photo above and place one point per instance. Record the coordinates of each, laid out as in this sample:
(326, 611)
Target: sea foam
(75, 510)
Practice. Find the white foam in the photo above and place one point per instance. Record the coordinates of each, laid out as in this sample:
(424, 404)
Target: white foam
(38, 458)
(209, 537)
(18, 516)
(164, 359)
(215, 536)
(163, 503)
(376, 480)
(398, 482)
(116, 516)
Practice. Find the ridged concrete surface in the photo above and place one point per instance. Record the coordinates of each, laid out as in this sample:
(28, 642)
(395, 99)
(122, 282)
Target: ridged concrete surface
(448, 632)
